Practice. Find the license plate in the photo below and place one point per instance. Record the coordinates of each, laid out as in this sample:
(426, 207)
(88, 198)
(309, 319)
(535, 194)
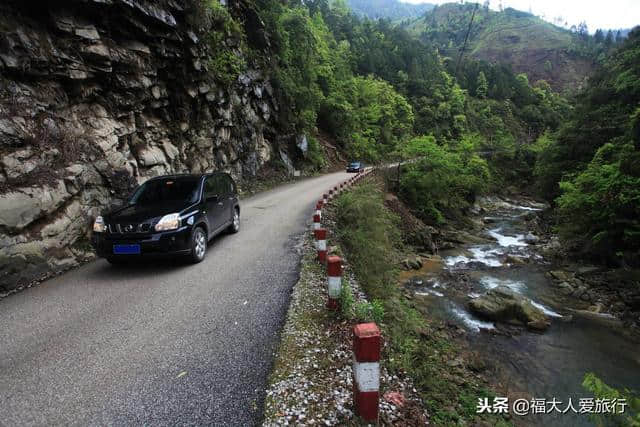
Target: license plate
(126, 249)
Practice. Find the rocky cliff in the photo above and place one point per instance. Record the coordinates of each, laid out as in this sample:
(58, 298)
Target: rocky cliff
(99, 95)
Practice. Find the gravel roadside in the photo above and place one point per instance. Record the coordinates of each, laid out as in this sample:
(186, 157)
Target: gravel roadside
(311, 383)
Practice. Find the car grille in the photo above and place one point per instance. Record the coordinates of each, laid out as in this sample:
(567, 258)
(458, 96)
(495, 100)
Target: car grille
(129, 228)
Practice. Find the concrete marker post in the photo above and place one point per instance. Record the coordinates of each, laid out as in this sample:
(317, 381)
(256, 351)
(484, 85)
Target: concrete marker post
(316, 221)
(334, 281)
(319, 209)
(321, 244)
(366, 370)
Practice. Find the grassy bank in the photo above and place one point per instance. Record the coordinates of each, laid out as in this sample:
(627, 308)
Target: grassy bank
(418, 346)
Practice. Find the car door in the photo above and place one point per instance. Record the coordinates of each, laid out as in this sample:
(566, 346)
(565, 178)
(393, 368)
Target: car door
(231, 198)
(214, 202)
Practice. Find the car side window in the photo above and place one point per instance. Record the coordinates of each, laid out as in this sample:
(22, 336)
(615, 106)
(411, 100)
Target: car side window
(230, 185)
(210, 188)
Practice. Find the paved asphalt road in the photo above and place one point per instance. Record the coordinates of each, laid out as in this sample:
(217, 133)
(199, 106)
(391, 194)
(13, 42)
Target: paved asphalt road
(106, 345)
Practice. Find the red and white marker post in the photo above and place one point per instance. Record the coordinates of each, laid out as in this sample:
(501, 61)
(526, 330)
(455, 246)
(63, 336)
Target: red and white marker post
(319, 209)
(334, 281)
(325, 197)
(316, 222)
(321, 244)
(366, 370)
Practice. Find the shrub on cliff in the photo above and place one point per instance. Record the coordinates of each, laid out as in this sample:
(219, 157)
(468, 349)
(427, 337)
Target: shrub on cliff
(442, 181)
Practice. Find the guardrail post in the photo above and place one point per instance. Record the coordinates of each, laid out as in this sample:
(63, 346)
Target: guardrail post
(334, 281)
(321, 244)
(366, 370)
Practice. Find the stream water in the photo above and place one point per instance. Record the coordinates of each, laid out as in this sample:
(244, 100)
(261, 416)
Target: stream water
(532, 365)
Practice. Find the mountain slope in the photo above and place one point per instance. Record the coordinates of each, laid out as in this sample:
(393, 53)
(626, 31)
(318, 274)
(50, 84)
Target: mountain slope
(392, 9)
(526, 42)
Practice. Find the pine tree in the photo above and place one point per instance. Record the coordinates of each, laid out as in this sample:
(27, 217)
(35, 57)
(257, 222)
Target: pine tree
(482, 86)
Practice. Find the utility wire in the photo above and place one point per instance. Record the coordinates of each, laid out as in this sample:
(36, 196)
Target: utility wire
(466, 37)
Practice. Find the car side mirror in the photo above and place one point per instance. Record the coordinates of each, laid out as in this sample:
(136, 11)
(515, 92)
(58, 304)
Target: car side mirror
(213, 198)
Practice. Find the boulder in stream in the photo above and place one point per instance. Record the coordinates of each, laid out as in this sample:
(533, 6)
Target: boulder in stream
(531, 238)
(503, 305)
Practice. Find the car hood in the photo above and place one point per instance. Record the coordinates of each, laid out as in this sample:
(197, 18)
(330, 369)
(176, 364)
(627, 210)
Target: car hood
(145, 213)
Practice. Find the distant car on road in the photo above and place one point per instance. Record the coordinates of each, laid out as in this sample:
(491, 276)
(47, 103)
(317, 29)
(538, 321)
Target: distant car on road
(355, 167)
(169, 215)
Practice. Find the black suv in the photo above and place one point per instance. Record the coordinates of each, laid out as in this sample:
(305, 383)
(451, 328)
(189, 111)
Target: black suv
(169, 215)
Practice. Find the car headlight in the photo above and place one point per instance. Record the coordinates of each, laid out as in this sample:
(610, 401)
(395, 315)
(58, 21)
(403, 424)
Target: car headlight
(99, 226)
(168, 222)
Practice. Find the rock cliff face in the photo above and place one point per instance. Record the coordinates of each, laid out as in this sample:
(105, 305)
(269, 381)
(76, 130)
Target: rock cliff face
(99, 95)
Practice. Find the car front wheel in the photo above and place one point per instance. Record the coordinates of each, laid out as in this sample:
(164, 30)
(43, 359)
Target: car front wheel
(198, 245)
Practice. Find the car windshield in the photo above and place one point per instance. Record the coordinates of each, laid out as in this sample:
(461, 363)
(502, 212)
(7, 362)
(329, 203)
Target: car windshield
(354, 164)
(163, 190)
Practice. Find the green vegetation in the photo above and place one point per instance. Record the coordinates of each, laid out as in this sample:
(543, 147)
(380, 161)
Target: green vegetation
(381, 94)
(372, 88)
(515, 38)
(631, 415)
(226, 41)
(591, 165)
(443, 179)
(370, 236)
(391, 9)
(367, 117)
(374, 263)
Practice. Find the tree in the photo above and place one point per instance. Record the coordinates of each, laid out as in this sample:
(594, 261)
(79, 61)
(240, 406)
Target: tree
(608, 41)
(598, 36)
(583, 30)
(442, 182)
(482, 86)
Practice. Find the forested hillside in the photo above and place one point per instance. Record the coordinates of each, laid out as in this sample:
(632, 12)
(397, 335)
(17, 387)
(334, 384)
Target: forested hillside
(564, 58)
(374, 88)
(391, 9)
(595, 158)
(383, 94)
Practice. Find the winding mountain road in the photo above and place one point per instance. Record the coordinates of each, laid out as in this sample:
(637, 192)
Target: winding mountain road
(161, 343)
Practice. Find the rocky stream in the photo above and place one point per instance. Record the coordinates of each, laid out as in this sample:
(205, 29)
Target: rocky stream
(538, 328)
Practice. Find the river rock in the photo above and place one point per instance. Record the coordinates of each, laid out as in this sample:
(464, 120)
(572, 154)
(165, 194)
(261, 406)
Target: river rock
(565, 288)
(596, 308)
(578, 292)
(511, 259)
(561, 275)
(503, 305)
(463, 237)
(531, 239)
